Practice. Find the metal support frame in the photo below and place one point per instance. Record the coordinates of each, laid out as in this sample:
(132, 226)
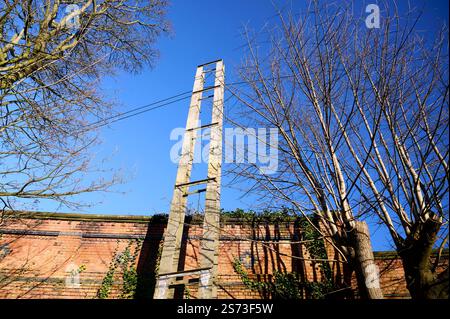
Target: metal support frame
(169, 273)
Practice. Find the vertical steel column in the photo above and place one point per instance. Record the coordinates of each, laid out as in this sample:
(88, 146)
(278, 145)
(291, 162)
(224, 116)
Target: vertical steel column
(209, 246)
(174, 231)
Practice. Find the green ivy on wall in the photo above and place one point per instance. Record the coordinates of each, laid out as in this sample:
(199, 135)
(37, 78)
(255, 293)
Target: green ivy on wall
(125, 262)
(316, 249)
(289, 285)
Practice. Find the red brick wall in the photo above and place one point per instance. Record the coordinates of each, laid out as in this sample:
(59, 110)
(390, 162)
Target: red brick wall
(37, 255)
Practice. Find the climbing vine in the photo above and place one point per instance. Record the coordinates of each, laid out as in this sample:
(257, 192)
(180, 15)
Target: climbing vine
(288, 285)
(158, 257)
(316, 248)
(246, 280)
(187, 293)
(125, 262)
(283, 286)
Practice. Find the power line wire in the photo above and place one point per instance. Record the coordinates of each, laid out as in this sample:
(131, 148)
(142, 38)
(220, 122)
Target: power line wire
(169, 100)
(119, 117)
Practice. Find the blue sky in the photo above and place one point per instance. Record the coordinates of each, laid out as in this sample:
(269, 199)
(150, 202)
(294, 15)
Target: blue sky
(204, 30)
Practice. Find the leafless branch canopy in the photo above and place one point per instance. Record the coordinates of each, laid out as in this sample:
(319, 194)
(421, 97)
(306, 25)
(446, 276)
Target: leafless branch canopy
(362, 116)
(53, 55)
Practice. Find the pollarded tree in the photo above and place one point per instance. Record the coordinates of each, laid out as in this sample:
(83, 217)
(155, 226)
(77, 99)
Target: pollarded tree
(52, 56)
(362, 117)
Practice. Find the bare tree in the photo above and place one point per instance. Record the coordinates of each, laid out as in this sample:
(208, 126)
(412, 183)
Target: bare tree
(53, 55)
(362, 116)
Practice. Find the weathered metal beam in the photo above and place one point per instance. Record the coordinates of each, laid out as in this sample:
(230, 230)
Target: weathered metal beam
(205, 89)
(190, 272)
(198, 182)
(211, 62)
(203, 126)
(170, 274)
(197, 191)
(174, 230)
(209, 245)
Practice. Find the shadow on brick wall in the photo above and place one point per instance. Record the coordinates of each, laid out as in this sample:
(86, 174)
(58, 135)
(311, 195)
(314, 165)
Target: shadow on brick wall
(148, 258)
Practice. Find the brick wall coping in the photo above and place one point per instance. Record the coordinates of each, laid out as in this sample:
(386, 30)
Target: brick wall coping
(81, 217)
(392, 254)
(158, 218)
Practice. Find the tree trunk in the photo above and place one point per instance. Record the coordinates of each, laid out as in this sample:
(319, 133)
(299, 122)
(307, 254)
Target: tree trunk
(422, 282)
(421, 279)
(367, 273)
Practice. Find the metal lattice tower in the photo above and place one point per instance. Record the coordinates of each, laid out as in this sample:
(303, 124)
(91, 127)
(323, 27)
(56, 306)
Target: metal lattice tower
(170, 275)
